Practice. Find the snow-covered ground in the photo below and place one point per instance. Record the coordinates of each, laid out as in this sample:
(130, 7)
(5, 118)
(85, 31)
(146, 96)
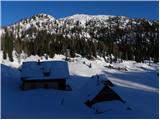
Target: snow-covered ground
(138, 87)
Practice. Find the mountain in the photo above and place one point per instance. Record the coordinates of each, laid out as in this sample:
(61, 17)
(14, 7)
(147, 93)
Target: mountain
(88, 35)
(102, 38)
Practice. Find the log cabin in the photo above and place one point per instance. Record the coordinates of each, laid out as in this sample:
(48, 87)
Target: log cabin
(46, 74)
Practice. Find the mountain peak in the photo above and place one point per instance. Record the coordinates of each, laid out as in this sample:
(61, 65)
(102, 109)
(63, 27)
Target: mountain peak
(43, 15)
(87, 17)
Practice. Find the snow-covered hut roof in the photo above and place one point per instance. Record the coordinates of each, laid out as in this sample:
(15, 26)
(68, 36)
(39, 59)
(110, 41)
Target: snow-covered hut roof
(92, 88)
(35, 71)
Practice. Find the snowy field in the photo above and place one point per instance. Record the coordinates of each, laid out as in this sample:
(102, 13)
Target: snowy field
(138, 87)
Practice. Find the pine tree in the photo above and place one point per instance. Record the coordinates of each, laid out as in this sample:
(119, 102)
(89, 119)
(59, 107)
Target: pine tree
(4, 55)
(8, 44)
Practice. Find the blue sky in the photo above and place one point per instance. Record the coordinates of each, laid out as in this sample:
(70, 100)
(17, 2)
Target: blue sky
(13, 11)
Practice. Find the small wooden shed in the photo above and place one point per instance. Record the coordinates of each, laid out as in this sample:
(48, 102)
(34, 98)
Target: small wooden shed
(46, 74)
(99, 89)
(106, 94)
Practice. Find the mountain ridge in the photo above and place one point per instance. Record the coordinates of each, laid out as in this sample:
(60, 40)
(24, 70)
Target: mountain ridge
(80, 14)
(104, 33)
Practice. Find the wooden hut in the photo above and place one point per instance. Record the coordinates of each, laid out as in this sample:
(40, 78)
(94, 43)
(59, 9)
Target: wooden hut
(46, 74)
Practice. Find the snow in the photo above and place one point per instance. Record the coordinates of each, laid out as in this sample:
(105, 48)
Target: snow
(85, 17)
(63, 26)
(110, 106)
(33, 71)
(138, 87)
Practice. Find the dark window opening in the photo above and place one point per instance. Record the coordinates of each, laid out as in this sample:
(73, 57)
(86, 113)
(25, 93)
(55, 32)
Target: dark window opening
(33, 86)
(46, 86)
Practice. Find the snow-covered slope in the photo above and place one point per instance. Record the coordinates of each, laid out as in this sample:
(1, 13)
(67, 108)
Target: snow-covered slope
(78, 21)
(83, 18)
(99, 35)
(138, 87)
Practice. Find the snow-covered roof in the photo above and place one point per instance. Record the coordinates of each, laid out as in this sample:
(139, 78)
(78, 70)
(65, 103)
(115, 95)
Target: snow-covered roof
(92, 88)
(34, 71)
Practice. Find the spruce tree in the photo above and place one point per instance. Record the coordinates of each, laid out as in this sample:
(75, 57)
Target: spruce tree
(4, 55)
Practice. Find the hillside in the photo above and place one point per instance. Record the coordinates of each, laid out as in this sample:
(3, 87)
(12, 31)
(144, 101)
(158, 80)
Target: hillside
(89, 35)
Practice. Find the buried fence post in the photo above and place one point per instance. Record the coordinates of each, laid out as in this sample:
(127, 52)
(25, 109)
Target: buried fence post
(90, 65)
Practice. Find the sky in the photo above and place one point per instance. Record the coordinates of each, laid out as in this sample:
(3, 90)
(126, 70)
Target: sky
(13, 11)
